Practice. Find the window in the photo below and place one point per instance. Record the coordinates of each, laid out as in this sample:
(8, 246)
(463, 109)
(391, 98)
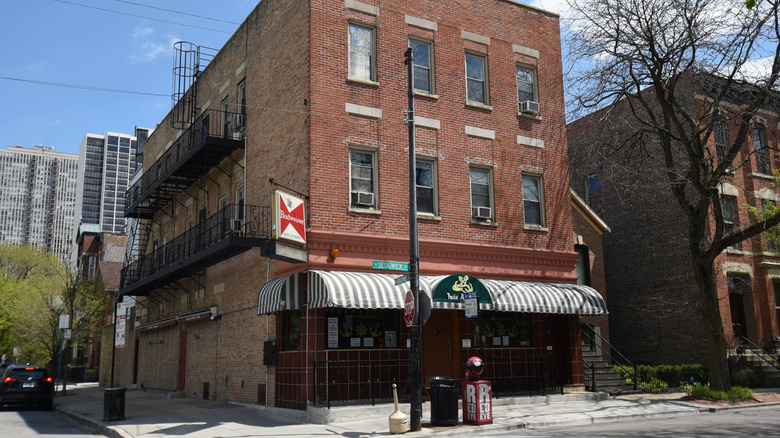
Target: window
(591, 187)
(225, 117)
(423, 65)
(361, 52)
(721, 134)
(426, 186)
(292, 332)
(361, 171)
(762, 153)
(533, 207)
(730, 216)
(480, 179)
(771, 245)
(242, 97)
(240, 203)
(583, 264)
(355, 329)
(776, 286)
(476, 78)
(500, 330)
(526, 84)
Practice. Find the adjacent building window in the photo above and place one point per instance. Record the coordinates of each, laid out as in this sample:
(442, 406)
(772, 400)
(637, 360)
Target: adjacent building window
(423, 65)
(481, 193)
(526, 85)
(476, 78)
(226, 131)
(771, 245)
(242, 98)
(362, 169)
(361, 52)
(730, 216)
(762, 152)
(426, 186)
(583, 265)
(240, 203)
(533, 205)
(721, 134)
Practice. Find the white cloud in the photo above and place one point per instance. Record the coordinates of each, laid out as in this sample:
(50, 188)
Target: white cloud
(148, 47)
(38, 66)
(560, 7)
(142, 32)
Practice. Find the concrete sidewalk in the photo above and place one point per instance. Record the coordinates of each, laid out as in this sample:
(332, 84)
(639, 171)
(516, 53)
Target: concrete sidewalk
(151, 414)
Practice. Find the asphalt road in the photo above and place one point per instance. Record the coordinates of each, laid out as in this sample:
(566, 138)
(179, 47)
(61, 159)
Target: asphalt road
(24, 422)
(753, 422)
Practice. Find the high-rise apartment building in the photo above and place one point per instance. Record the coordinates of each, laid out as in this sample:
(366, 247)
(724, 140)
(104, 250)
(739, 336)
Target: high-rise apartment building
(37, 198)
(107, 163)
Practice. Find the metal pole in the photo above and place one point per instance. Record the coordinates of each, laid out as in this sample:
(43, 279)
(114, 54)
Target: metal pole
(414, 259)
(113, 341)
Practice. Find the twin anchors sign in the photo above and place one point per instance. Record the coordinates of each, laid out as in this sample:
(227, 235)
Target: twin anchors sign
(289, 218)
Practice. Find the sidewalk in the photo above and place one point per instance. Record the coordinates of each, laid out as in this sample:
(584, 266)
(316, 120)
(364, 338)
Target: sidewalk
(150, 414)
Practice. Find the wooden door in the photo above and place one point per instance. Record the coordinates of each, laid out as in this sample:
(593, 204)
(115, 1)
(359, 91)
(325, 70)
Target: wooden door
(440, 348)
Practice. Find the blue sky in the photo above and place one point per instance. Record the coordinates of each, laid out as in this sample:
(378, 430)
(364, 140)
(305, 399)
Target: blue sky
(50, 46)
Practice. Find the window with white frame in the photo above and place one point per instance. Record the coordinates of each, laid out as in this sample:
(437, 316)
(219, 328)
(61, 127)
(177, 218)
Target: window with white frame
(533, 205)
(526, 87)
(240, 203)
(481, 193)
(242, 97)
(762, 152)
(362, 181)
(226, 117)
(426, 186)
(476, 78)
(422, 65)
(361, 52)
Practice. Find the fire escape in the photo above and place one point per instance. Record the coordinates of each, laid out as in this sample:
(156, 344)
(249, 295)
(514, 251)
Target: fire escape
(208, 139)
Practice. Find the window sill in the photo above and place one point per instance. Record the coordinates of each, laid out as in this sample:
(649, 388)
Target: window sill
(734, 251)
(529, 116)
(428, 216)
(363, 82)
(364, 210)
(420, 93)
(535, 228)
(762, 176)
(478, 105)
(484, 222)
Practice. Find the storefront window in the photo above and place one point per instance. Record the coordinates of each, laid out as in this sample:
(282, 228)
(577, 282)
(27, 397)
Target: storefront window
(507, 330)
(353, 329)
(292, 330)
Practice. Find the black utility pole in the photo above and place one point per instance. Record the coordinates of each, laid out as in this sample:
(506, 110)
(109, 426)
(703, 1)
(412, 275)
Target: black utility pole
(113, 341)
(414, 260)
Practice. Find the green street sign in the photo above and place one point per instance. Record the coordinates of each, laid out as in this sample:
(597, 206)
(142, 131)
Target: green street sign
(402, 279)
(390, 266)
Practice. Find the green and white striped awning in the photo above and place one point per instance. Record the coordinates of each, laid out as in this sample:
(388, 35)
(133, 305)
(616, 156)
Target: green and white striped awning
(368, 290)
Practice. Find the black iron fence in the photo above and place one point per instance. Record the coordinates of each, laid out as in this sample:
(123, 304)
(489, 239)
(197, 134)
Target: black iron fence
(360, 381)
(525, 375)
(233, 220)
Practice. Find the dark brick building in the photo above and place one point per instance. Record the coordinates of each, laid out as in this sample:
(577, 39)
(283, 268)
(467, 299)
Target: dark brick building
(308, 99)
(655, 311)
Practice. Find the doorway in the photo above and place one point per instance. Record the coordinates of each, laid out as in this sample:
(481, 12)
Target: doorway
(739, 290)
(440, 347)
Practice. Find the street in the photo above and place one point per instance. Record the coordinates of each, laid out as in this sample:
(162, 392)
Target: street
(33, 422)
(747, 422)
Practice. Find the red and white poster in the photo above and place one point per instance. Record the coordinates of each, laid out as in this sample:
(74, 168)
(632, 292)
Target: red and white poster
(289, 218)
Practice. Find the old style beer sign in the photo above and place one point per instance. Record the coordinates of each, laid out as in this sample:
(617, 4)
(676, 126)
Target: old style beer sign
(289, 218)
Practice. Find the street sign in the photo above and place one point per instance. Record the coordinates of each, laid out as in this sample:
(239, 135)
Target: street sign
(402, 279)
(66, 334)
(409, 308)
(390, 266)
(470, 304)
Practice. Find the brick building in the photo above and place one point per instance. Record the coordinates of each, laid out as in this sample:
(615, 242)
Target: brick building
(308, 100)
(655, 309)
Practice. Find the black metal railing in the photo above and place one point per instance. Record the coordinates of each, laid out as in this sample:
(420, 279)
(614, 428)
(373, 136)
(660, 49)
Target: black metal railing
(233, 220)
(215, 124)
(616, 359)
(761, 353)
(359, 381)
(525, 375)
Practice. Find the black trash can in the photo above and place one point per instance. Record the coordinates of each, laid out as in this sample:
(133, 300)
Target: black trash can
(444, 401)
(114, 404)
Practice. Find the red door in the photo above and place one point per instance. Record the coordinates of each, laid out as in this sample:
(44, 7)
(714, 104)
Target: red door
(182, 359)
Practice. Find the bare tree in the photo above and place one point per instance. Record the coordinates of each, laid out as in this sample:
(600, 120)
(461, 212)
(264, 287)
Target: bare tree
(643, 61)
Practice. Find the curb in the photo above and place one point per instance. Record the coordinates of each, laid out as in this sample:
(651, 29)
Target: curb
(92, 424)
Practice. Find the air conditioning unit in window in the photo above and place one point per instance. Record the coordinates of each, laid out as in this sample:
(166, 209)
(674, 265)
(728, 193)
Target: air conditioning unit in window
(363, 198)
(238, 121)
(529, 107)
(481, 212)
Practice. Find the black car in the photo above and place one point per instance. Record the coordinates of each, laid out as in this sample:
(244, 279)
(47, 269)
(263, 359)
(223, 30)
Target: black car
(28, 385)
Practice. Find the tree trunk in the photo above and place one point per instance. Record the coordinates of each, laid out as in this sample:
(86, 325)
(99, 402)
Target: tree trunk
(713, 323)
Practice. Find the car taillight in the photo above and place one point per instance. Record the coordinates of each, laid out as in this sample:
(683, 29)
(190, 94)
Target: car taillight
(9, 380)
(29, 369)
(48, 379)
